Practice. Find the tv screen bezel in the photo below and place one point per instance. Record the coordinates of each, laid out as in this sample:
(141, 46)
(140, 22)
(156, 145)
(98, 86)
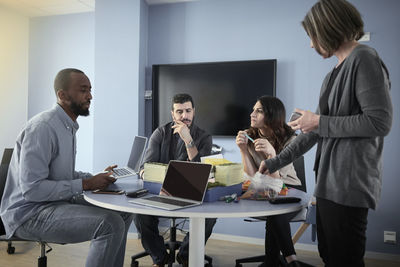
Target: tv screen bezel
(155, 95)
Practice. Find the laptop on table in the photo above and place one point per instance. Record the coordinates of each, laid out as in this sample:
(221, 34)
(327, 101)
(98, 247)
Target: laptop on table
(185, 185)
(135, 159)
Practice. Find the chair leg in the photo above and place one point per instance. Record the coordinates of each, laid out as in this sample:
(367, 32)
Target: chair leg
(134, 262)
(260, 258)
(299, 232)
(10, 248)
(313, 232)
(42, 260)
(209, 260)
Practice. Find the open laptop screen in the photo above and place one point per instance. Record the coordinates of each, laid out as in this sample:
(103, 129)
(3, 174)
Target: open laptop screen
(137, 153)
(187, 179)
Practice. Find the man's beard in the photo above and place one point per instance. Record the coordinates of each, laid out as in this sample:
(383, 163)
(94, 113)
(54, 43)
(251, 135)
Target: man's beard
(79, 110)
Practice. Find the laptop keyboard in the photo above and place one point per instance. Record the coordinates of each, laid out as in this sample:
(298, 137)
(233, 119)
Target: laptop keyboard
(169, 201)
(121, 172)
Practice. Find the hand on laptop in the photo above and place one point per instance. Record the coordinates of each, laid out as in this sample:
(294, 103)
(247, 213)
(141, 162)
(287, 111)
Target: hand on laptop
(164, 192)
(99, 181)
(110, 168)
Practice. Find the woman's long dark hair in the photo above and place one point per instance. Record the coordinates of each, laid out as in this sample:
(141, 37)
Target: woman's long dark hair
(274, 118)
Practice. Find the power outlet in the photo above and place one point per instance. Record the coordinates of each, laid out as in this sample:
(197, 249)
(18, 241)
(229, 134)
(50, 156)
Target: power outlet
(389, 237)
(366, 37)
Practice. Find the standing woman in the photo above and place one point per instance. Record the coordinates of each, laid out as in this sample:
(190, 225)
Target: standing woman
(271, 134)
(353, 116)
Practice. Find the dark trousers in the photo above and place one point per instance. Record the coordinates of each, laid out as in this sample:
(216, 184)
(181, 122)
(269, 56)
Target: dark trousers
(153, 243)
(341, 234)
(278, 238)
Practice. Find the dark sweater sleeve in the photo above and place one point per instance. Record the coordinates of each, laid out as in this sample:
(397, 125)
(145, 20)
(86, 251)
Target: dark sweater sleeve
(300, 145)
(371, 82)
(203, 147)
(153, 152)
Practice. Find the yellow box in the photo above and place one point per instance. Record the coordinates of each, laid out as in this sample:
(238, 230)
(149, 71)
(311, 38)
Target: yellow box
(154, 172)
(229, 173)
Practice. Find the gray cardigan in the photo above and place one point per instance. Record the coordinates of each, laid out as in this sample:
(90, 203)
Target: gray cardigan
(350, 167)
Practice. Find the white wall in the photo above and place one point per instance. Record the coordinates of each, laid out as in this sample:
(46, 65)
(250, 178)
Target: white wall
(58, 42)
(14, 32)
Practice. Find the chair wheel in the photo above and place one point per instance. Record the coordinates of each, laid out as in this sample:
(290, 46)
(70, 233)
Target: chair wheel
(238, 265)
(135, 264)
(11, 250)
(208, 265)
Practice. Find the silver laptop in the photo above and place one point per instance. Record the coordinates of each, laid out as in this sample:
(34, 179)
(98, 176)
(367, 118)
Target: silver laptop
(135, 159)
(185, 185)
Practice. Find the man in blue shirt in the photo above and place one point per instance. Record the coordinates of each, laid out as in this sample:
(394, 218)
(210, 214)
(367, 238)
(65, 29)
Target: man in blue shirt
(42, 198)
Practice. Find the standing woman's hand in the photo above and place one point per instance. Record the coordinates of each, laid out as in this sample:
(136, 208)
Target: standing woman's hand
(241, 140)
(308, 122)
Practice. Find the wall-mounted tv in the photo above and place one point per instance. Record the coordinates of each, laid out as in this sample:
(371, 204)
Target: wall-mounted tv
(223, 92)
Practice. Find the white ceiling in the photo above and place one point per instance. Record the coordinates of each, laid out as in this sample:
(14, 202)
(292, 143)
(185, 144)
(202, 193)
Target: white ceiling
(36, 8)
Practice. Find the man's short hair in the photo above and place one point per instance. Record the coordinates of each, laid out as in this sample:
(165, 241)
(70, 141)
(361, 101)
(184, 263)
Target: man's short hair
(63, 78)
(330, 23)
(180, 99)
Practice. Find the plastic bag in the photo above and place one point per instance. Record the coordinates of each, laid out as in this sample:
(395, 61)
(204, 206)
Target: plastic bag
(263, 187)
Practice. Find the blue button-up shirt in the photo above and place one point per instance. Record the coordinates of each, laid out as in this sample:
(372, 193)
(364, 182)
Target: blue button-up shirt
(42, 168)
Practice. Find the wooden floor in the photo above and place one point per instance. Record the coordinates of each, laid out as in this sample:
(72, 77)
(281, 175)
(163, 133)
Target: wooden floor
(223, 253)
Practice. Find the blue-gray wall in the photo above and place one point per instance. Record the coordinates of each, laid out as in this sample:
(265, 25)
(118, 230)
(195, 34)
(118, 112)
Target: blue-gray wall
(119, 64)
(122, 39)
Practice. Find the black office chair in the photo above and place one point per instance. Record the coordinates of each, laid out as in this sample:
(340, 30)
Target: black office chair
(172, 245)
(5, 162)
(302, 216)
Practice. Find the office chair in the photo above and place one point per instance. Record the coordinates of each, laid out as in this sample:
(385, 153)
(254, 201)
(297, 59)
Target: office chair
(172, 245)
(5, 162)
(307, 216)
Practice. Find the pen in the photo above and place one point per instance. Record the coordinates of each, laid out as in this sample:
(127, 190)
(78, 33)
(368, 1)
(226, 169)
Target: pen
(248, 137)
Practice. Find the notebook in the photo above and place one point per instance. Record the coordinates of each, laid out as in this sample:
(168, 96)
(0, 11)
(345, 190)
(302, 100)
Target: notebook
(185, 184)
(135, 159)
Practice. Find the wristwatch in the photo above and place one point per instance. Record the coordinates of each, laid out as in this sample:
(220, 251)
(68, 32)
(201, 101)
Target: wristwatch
(190, 144)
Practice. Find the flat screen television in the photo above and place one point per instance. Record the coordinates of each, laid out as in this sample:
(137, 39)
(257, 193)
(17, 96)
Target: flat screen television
(224, 93)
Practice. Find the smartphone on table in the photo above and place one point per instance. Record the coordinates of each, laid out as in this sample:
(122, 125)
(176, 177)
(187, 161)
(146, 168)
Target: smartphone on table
(108, 191)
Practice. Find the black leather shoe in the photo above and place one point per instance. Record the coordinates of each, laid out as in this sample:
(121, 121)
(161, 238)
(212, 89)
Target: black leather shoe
(180, 260)
(164, 261)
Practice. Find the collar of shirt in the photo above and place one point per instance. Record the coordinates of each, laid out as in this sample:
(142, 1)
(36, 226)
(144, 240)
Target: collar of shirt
(68, 122)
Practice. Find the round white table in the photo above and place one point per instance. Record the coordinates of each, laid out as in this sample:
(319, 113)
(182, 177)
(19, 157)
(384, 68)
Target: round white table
(197, 214)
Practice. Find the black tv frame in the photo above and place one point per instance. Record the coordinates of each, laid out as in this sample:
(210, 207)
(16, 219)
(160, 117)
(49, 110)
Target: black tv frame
(155, 84)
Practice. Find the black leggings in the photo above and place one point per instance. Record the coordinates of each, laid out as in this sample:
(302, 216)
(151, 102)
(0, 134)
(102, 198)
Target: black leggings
(278, 238)
(341, 234)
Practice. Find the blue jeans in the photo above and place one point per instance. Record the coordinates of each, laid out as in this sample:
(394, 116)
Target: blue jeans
(78, 221)
(153, 243)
